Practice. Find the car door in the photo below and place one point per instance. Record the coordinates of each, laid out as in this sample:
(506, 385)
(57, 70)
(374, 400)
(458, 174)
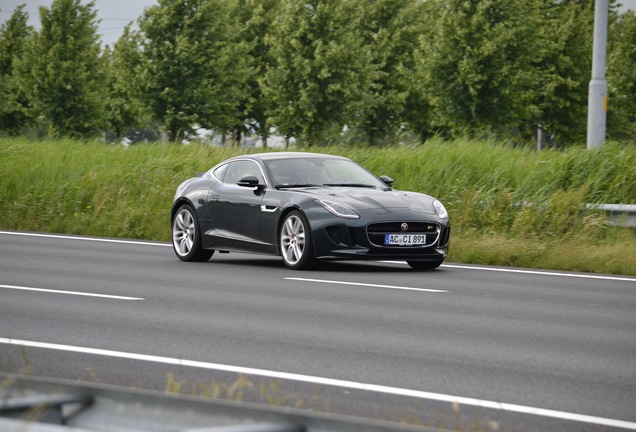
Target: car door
(235, 211)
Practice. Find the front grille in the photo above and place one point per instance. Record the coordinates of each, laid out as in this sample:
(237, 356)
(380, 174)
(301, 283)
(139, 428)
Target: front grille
(376, 232)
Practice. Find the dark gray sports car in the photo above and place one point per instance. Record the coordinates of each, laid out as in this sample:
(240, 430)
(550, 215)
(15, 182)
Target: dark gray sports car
(306, 207)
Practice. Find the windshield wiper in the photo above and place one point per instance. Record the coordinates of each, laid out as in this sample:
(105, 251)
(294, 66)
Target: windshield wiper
(358, 185)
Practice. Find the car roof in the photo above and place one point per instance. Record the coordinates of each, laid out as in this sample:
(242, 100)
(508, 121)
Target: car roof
(287, 155)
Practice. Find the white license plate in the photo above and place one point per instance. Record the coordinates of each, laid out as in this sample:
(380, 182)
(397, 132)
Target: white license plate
(401, 239)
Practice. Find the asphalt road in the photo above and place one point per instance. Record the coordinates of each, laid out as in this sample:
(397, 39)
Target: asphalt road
(462, 347)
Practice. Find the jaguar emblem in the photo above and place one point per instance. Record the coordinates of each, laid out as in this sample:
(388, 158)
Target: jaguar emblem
(404, 227)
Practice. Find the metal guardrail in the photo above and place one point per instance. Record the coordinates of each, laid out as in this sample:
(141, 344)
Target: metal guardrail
(617, 214)
(50, 407)
(29, 404)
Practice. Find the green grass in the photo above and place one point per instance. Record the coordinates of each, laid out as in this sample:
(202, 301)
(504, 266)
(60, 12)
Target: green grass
(508, 206)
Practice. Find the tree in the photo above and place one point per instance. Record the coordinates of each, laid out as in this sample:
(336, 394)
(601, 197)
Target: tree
(565, 66)
(14, 36)
(123, 105)
(322, 71)
(255, 18)
(63, 70)
(194, 69)
(477, 64)
(621, 77)
(391, 29)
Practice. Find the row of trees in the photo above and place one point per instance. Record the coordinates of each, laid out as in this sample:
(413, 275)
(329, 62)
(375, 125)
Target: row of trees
(309, 68)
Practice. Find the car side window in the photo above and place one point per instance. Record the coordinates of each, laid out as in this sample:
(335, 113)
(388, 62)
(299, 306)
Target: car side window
(220, 172)
(239, 169)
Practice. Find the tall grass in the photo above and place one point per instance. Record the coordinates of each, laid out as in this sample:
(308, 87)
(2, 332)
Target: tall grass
(508, 206)
(95, 189)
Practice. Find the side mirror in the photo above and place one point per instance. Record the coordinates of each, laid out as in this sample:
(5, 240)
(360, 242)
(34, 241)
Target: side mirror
(248, 181)
(387, 180)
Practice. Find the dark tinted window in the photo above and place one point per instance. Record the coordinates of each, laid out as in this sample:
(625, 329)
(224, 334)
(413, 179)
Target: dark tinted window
(220, 172)
(239, 169)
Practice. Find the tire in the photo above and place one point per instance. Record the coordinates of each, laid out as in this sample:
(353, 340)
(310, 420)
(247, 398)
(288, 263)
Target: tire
(186, 236)
(424, 265)
(295, 243)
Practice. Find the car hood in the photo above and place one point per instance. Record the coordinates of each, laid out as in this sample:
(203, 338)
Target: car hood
(374, 200)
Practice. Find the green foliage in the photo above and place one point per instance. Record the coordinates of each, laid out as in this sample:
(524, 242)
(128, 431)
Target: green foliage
(14, 36)
(621, 77)
(565, 66)
(507, 206)
(477, 64)
(255, 18)
(123, 102)
(322, 69)
(390, 29)
(374, 71)
(95, 189)
(63, 70)
(194, 68)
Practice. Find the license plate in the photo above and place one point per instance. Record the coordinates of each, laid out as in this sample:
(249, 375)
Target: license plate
(404, 239)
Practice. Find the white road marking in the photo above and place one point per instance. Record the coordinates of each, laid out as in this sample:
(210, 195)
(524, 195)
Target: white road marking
(503, 270)
(333, 382)
(532, 272)
(77, 293)
(366, 284)
(103, 240)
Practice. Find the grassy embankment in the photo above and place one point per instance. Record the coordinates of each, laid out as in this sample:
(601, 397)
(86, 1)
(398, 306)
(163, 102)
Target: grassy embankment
(508, 206)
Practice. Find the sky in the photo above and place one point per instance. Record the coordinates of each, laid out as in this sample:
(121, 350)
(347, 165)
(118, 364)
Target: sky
(115, 14)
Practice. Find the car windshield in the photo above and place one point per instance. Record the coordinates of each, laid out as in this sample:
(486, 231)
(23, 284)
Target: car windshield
(288, 173)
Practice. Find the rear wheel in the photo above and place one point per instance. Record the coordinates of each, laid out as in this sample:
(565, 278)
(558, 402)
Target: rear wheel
(186, 236)
(295, 242)
(424, 265)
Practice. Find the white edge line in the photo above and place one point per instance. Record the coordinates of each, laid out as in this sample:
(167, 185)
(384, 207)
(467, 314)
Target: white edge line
(366, 284)
(332, 382)
(77, 293)
(103, 240)
(532, 272)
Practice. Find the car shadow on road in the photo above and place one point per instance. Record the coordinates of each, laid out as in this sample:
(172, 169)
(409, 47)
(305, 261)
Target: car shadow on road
(321, 266)
(367, 267)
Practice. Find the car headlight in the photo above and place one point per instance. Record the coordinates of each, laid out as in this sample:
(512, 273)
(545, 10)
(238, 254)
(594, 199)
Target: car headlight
(439, 208)
(339, 209)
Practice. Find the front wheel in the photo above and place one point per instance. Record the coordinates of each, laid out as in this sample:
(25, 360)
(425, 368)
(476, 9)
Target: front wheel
(186, 236)
(295, 242)
(424, 265)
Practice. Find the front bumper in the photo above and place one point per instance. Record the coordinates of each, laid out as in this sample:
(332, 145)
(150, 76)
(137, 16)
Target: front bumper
(361, 243)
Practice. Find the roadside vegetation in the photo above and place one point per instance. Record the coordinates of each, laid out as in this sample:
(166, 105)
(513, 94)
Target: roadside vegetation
(309, 69)
(353, 78)
(508, 206)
